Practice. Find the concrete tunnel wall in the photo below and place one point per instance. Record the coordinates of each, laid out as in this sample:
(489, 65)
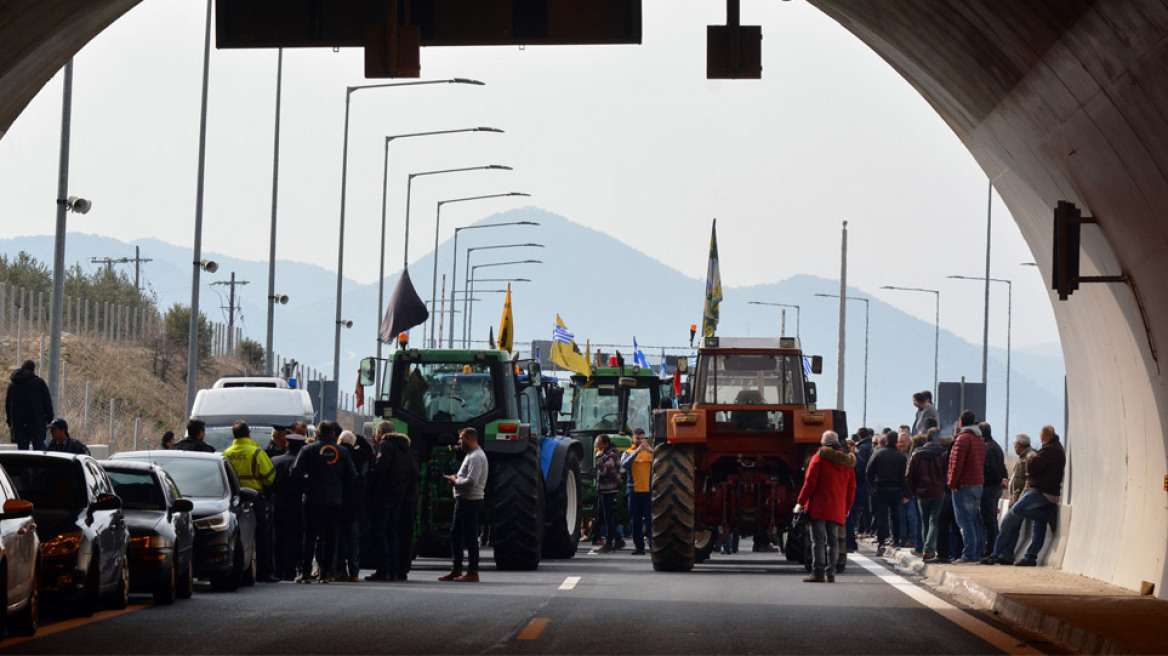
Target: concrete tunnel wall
(1056, 99)
(1068, 100)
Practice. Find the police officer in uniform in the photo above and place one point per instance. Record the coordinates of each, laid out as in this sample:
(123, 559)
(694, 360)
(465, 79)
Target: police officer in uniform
(255, 471)
(327, 470)
(288, 500)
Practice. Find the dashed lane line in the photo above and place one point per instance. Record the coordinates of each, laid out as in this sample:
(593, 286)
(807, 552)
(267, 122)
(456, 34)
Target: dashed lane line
(1000, 639)
(534, 628)
(570, 583)
(58, 627)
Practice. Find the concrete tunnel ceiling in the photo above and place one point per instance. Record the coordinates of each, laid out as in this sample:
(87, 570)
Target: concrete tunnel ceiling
(1056, 100)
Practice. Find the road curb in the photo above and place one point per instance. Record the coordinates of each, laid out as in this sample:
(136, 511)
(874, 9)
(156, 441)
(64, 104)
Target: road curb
(1025, 617)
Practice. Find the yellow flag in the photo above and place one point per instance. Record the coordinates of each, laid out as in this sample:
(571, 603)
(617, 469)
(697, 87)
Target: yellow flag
(564, 350)
(506, 326)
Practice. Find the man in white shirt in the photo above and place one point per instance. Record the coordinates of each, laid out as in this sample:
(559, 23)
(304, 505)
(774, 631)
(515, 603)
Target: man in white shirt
(470, 485)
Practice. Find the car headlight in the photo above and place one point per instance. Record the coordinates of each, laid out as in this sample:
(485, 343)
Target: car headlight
(217, 522)
(147, 542)
(62, 545)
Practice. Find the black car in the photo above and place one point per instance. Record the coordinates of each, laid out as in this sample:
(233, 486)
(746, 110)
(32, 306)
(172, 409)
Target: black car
(224, 513)
(162, 533)
(84, 539)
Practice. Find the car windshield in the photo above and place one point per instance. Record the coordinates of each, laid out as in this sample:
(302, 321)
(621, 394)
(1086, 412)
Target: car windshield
(196, 477)
(50, 484)
(751, 379)
(221, 437)
(137, 489)
(447, 391)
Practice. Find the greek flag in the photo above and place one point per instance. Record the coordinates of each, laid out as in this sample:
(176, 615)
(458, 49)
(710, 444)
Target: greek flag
(662, 374)
(562, 335)
(639, 358)
(806, 366)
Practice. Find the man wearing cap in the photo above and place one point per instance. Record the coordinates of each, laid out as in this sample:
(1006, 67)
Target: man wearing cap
(829, 489)
(61, 441)
(288, 501)
(255, 471)
(28, 407)
(279, 444)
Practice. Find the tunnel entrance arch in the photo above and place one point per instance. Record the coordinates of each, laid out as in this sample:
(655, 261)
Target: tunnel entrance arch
(1056, 101)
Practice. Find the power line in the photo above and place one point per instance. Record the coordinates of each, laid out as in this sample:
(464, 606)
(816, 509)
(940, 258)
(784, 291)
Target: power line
(231, 309)
(137, 260)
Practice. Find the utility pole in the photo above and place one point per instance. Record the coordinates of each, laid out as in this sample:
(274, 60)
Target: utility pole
(231, 308)
(137, 260)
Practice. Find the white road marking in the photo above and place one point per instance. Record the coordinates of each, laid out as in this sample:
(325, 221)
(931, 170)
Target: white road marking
(570, 583)
(1004, 641)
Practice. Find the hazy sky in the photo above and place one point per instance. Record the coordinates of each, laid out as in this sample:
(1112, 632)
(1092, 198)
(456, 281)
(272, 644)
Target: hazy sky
(630, 140)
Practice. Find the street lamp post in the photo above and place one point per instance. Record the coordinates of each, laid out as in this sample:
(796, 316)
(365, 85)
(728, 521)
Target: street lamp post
(406, 238)
(269, 367)
(197, 247)
(384, 195)
(866, 308)
(467, 283)
(435, 339)
(786, 305)
(454, 269)
(1009, 331)
(471, 290)
(936, 324)
(349, 91)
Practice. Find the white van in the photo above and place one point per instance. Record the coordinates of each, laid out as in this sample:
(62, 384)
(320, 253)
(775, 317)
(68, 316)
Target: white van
(260, 407)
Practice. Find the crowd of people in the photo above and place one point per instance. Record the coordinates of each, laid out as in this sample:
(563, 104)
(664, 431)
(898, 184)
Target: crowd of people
(315, 491)
(938, 493)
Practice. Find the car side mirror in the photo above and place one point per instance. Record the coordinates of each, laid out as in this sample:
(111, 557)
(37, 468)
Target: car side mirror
(555, 398)
(182, 505)
(368, 372)
(106, 502)
(249, 495)
(16, 508)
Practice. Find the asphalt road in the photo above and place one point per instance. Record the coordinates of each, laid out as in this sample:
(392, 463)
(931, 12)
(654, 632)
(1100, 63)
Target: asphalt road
(593, 604)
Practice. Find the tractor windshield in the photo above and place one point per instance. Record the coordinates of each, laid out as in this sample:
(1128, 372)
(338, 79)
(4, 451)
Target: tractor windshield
(447, 391)
(750, 379)
(597, 408)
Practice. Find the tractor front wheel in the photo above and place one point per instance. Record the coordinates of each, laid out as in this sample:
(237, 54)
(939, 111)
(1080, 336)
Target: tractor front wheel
(561, 537)
(673, 508)
(516, 484)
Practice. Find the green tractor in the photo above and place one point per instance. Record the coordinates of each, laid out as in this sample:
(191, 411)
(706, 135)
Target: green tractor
(612, 401)
(533, 486)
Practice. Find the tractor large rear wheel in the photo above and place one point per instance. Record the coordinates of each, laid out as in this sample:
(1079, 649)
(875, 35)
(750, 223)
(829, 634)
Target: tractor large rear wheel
(516, 484)
(673, 508)
(561, 536)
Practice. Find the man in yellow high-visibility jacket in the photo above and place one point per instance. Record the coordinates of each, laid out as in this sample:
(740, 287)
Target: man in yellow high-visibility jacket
(255, 471)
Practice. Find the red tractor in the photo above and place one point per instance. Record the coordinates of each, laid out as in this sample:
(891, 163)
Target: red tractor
(730, 461)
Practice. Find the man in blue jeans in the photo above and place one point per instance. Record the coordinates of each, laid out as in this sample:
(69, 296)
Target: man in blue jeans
(966, 475)
(1044, 482)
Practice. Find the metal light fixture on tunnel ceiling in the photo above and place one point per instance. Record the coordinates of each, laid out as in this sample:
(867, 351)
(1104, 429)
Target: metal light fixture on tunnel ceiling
(733, 51)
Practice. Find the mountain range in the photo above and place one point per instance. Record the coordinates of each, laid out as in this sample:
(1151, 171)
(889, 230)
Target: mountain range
(607, 292)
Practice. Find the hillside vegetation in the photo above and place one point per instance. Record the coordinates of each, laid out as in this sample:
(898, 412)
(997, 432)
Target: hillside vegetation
(145, 383)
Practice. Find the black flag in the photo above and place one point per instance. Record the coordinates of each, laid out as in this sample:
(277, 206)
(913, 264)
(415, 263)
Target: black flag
(405, 310)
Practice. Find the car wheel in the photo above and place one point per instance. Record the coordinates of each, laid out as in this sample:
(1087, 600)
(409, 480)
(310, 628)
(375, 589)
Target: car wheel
(186, 582)
(166, 590)
(120, 597)
(229, 581)
(25, 621)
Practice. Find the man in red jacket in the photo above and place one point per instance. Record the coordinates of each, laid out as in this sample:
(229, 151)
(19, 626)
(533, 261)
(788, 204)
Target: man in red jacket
(966, 475)
(829, 489)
